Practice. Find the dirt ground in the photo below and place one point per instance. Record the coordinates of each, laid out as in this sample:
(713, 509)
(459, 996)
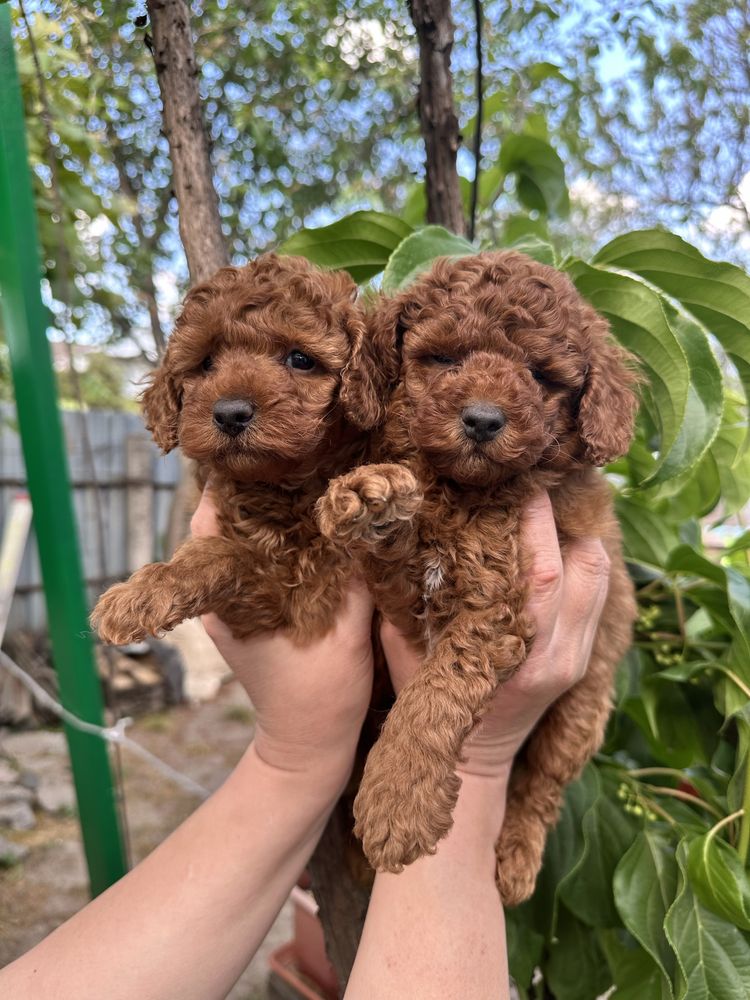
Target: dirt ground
(49, 885)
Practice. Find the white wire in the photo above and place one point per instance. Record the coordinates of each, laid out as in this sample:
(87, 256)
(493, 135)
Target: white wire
(110, 734)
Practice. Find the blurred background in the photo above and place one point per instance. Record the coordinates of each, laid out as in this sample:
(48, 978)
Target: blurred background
(596, 120)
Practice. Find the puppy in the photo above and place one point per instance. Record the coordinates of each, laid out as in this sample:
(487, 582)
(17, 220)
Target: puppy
(254, 386)
(496, 380)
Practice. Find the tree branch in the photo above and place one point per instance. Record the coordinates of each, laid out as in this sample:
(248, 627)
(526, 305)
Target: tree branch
(437, 113)
(177, 73)
(478, 14)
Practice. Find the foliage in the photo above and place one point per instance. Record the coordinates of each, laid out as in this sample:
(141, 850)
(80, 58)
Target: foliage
(99, 385)
(311, 114)
(645, 884)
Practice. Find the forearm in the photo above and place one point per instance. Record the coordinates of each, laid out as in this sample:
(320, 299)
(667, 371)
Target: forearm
(437, 929)
(187, 920)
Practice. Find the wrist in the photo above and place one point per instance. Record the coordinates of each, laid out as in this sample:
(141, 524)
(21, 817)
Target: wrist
(323, 770)
(481, 804)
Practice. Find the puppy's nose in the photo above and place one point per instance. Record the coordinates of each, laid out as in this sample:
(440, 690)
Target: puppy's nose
(482, 421)
(232, 416)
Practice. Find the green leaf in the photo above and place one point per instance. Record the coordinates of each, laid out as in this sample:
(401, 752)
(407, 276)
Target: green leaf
(564, 848)
(492, 104)
(540, 173)
(541, 71)
(712, 954)
(360, 243)
(717, 294)
(704, 406)
(608, 832)
(644, 888)
(719, 880)
(738, 592)
(416, 253)
(648, 536)
(414, 211)
(639, 322)
(518, 227)
(525, 946)
(684, 559)
(575, 967)
(539, 250)
(635, 974)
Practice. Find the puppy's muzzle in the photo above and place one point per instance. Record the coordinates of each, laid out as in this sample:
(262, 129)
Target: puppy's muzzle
(482, 422)
(232, 416)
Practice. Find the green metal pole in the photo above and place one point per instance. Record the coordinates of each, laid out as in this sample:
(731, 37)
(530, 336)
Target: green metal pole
(25, 322)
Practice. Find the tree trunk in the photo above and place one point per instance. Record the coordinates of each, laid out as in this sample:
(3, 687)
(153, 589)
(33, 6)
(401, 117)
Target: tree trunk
(437, 113)
(341, 898)
(177, 73)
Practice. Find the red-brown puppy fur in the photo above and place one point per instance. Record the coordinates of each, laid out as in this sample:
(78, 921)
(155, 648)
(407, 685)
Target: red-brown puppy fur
(437, 534)
(279, 337)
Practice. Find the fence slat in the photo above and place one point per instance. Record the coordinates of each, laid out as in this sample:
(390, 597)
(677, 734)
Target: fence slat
(122, 488)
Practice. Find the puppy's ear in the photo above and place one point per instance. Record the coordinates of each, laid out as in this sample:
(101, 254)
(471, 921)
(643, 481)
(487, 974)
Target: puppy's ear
(606, 412)
(162, 401)
(374, 364)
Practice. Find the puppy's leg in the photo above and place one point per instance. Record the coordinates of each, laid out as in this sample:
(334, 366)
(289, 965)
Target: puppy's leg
(371, 513)
(203, 573)
(410, 786)
(565, 739)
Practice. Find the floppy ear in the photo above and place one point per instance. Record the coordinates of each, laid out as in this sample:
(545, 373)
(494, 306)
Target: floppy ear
(161, 402)
(374, 364)
(607, 408)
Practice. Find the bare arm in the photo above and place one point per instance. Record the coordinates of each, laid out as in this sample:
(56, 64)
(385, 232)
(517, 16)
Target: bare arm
(187, 920)
(437, 928)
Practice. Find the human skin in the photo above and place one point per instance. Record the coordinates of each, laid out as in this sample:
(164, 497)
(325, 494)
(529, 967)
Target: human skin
(437, 929)
(186, 921)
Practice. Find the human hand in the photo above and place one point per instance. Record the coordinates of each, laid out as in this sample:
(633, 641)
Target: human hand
(310, 701)
(566, 597)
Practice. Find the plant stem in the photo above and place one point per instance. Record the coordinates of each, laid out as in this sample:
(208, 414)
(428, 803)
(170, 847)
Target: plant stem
(675, 793)
(723, 822)
(644, 772)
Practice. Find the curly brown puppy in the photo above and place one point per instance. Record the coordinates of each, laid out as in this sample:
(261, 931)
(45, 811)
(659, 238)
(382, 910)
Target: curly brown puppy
(254, 386)
(500, 381)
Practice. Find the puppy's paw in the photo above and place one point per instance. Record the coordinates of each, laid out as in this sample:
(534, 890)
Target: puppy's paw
(520, 850)
(404, 806)
(129, 611)
(368, 503)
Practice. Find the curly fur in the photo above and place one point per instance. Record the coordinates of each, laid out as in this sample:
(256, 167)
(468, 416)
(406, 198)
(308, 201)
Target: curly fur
(438, 534)
(269, 567)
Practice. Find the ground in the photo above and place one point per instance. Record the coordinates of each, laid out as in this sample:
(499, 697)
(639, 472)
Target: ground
(49, 884)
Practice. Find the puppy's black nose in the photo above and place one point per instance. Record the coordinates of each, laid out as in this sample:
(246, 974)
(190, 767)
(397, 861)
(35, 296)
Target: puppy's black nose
(482, 421)
(232, 416)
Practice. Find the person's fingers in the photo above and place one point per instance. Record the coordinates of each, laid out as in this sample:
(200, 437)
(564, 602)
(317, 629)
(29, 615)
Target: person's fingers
(586, 569)
(545, 573)
(204, 523)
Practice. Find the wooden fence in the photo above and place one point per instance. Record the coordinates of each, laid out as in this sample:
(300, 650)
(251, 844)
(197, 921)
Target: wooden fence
(122, 504)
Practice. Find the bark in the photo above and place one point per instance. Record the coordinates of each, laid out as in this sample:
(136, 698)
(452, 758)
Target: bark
(341, 896)
(437, 113)
(341, 899)
(177, 73)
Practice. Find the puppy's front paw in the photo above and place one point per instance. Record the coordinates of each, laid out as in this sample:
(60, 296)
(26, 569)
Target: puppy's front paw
(129, 611)
(368, 503)
(404, 805)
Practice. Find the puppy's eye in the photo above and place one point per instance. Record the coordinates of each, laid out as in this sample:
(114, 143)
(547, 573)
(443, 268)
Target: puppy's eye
(442, 359)
(302, 362)
(207, 363)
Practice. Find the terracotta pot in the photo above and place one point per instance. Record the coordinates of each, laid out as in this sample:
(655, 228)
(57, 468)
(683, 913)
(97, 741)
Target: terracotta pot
(309, 942)
(285, 966)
